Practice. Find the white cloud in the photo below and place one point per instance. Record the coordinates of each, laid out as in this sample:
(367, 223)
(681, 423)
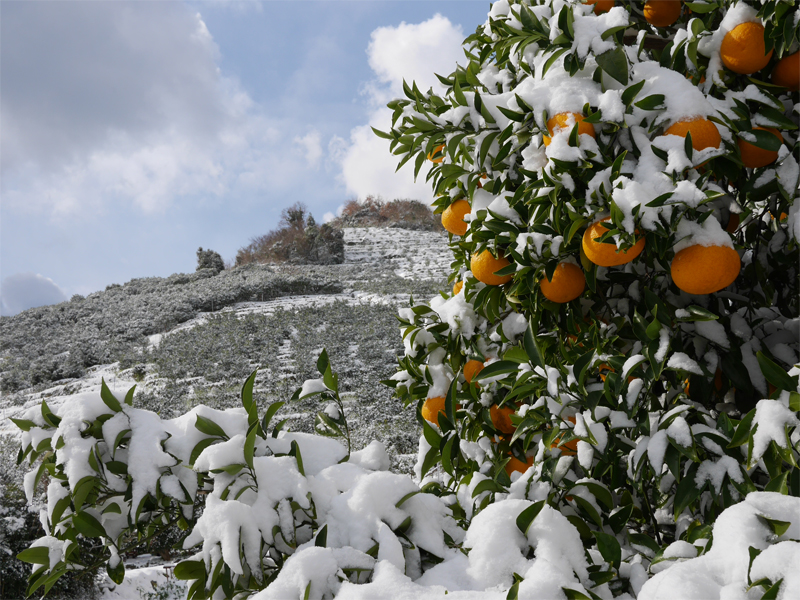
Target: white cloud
(111, 103)
(328, 217)
(414, 52)
(22, 291)
(311, 146)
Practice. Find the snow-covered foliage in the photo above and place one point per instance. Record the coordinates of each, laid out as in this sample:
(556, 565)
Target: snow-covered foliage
(633, 441)
(50, 343)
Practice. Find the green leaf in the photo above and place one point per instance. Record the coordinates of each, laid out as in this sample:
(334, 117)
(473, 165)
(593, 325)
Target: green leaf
(271, 410)
(619, 519)
(108, 398)
(652, 102)
(247, 392)
(39, 555)
(295, 451)
(772, 592)
(687, 491)
(777, 527)
(117, 573)
(406, 497)
(208, 427)
(190, 569)
(526, 517)
(198, 449)
(23, 424)
(609, 547)
(574, 594)
(129, 396)
(322, 537)
(794, 402)
(764, 139)
(644, 540)
(487, 485)
(382, 134)
(532, 346)
(615, 63)
(87, 525)
(742, 430)
(778, 484)
(250, 444)
(775, 374)
(499, 367)
(589, 509)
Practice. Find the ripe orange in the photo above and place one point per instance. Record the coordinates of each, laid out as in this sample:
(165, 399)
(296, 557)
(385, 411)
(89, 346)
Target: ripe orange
(453, 217)
(662, 13)
(484, 266)
(567, 120)
(704, 133)
(567, 284)
(471, 369)
(606, 255)
(786, 72)
(601, 6)
(432, 407)
(753, 156)
(432, 154)
(743, 50)
(457, 287)
(517, 465)
(501, 418)
(705, 269)
(571, 447)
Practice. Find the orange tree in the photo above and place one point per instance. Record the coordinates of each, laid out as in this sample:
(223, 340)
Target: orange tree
(626, 274)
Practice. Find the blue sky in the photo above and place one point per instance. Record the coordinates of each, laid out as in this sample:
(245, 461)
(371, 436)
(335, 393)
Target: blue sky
(135, 132)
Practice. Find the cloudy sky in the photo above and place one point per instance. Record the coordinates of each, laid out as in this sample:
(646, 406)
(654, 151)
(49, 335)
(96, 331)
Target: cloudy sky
(135, 132)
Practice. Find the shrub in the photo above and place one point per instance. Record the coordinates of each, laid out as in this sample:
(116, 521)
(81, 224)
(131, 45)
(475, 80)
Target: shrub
(374, 212)
(297, 240)
(208, 259)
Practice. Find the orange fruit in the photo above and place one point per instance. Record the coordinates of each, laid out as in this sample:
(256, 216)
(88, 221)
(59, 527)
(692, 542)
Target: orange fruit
(753, 156)
(743, 50)
(605, 367)
(786, 72)
(471, 369)
(567, 284)
(567, 120)
(606, 255)
(501, 418)
(662, 13)
(484, 266)
(434, 152)
(457, 287)
(571, 447)
(705, 269)
(601, 6)
(432, 407)
(704, 133)
(453, 217)
(517, 465)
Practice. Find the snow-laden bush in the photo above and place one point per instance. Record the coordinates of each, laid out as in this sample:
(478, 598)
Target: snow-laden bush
(292, 515)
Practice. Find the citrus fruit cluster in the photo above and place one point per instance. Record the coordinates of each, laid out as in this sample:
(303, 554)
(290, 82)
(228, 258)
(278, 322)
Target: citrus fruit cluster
(619, 181)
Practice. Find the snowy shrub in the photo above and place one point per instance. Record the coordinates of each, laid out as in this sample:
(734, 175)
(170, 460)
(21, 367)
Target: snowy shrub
(297, 240)
(50, 343)
(398, 213)
(208, 259)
